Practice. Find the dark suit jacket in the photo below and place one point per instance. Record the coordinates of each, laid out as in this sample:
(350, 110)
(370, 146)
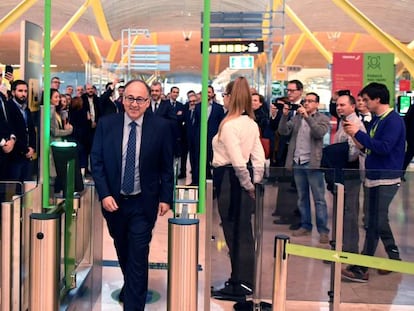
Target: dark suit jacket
(213, 123)
(25, 134)
(107, 106)
(180, 133)
(165, 110)
(155, 160)
(4, 127)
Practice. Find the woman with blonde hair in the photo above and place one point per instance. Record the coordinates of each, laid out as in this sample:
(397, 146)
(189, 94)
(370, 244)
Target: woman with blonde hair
(238, 155)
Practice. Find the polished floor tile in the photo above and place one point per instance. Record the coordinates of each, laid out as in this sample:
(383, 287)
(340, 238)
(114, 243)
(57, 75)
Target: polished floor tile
(308, 280)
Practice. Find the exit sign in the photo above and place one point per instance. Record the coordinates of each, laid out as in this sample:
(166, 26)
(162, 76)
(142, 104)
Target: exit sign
(241, 62)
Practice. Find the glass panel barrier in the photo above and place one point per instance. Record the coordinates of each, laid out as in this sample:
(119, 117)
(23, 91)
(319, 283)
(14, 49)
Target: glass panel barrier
(310, 273)
(382, 227)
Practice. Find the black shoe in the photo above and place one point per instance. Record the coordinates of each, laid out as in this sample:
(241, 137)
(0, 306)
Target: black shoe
(121, 295)
(355, 274)
(294, 226)
(281, 222)
(233, 292)
(181, 176)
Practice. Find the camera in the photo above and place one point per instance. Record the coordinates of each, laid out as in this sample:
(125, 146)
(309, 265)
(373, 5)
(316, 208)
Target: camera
(278, 106)
(344, 92)
(8, 69)
(293, 107)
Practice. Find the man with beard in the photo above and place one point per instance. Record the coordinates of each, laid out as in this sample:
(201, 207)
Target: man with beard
(21, 124)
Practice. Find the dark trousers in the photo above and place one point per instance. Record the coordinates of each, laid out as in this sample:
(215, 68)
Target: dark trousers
(132, 233)
(351, 214)
(194, 161)
(378, 200)
(235, 209)
(183, 156)
(409, 154)
(20, 170)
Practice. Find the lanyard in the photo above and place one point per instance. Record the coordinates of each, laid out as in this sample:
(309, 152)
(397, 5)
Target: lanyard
(375, 126)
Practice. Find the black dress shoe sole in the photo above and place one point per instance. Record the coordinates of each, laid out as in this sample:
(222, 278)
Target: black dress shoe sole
(221, 296)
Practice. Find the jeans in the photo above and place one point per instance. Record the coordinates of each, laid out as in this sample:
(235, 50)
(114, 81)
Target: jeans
(313, 178)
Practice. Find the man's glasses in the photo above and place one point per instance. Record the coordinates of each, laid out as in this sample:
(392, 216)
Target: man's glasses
(139, 100)
(291, 90)
(309, 101)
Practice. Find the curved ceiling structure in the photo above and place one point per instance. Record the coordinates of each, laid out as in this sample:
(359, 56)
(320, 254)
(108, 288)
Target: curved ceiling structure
(312, 29)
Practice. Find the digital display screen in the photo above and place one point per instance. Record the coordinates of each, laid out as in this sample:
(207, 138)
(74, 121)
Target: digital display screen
(404, 102)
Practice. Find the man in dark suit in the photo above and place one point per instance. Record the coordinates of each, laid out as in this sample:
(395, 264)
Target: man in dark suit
(159, 106)
(7, 140)
(107, 103)
(215, 114)
(130, 202)
(20, 166)
(91, 105)
(191, 133)
(180, 148)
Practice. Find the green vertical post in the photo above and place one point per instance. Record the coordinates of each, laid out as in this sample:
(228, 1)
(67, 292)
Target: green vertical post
(45, 133)
(204, 105)
(70, 226)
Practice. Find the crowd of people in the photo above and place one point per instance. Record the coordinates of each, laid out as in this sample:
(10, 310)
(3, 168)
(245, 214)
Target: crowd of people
(133, 141)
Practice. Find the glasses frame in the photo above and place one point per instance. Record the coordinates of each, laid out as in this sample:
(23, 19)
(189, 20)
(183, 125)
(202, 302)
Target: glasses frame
(139, 100)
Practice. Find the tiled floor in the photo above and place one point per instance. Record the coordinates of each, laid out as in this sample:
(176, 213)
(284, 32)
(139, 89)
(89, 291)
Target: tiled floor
(308, 279)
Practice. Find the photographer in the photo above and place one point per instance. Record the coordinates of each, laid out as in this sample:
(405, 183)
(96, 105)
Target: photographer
(307, 130)
(107, 103)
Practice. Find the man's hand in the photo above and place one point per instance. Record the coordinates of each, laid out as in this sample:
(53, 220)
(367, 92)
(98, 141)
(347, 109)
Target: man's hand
(302, 111)
(30, 153)
(9, 77)
(109, 204)
(163, 208)
(350, 128)
(8, 146)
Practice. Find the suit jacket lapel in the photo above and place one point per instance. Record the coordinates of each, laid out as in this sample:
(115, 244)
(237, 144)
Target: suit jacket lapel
(117, 139)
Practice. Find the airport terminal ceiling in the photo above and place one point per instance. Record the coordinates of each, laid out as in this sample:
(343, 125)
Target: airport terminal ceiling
(97, 26)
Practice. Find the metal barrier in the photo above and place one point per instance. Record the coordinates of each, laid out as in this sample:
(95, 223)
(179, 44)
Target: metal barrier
(183, 232)
(45, 259)
(23, 268)
(6, 243)
(182, 264)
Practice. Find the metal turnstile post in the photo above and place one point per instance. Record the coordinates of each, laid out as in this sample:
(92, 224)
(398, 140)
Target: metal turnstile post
(280, 273)
(182, 264)
(6, 243)
(44, 263)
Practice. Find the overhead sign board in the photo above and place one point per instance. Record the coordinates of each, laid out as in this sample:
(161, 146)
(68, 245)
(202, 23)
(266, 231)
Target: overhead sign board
(241, 62)
(235, 47)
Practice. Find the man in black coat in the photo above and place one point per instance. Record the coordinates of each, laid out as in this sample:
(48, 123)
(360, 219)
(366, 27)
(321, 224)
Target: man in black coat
(20, 166)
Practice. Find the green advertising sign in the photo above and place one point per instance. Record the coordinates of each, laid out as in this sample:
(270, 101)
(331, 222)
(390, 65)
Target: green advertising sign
(379, 67)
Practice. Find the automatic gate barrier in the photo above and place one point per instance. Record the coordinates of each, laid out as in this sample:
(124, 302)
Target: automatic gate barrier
(183, 233)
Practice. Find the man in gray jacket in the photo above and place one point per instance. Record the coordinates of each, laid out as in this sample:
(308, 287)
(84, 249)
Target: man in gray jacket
(307, 130)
